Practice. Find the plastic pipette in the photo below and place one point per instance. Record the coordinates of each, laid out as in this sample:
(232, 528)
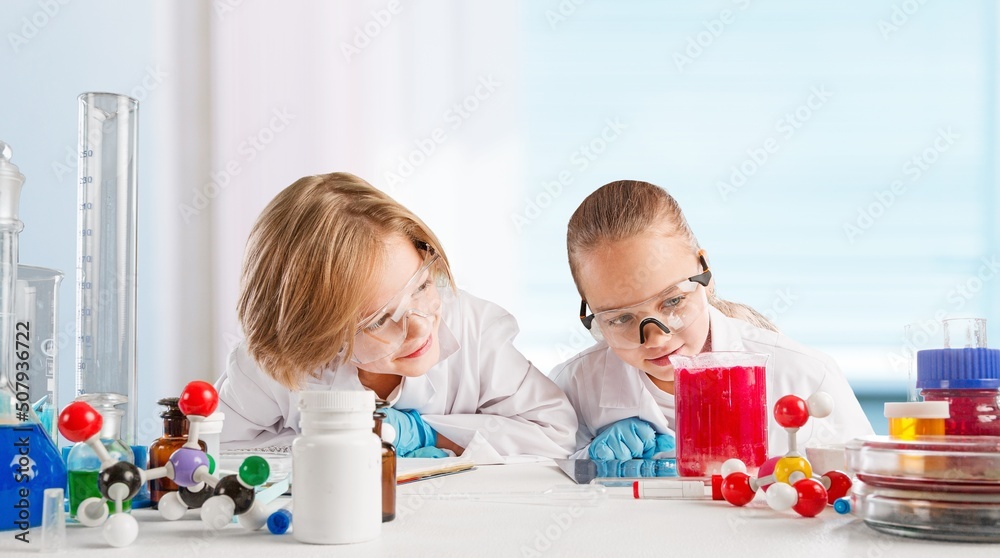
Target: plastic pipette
(559, 495)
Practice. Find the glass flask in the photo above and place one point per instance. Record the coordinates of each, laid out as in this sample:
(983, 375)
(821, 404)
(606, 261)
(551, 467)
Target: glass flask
(84, 465)
(30, 462)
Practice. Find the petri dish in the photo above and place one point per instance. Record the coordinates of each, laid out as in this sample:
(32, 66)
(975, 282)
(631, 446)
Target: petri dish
(963, 464)
(943, 516)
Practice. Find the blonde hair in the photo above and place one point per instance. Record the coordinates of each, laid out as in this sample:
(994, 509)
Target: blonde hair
(311, 260)
(627, 208)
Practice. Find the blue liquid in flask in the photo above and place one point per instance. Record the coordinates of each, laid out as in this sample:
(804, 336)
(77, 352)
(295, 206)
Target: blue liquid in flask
(30, 464)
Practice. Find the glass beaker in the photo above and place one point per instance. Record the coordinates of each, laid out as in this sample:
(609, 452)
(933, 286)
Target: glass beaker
(106, 250)
(37, 312)
(721, 411)
(30, 461)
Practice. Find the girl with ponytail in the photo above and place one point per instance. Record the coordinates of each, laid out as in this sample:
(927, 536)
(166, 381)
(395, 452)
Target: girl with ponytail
(648, 292)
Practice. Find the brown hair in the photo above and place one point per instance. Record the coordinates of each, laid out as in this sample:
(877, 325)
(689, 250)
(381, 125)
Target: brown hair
(311, 260)
(628, 208)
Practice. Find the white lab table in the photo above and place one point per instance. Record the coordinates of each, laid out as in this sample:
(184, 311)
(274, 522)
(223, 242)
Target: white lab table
(620, 527)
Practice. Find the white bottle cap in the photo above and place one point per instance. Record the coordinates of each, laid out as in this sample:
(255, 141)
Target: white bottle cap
(360, 401)
(918, 409)
(213, 423)
(337, 409)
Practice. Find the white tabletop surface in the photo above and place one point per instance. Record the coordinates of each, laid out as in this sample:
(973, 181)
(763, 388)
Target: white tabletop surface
(620, 526)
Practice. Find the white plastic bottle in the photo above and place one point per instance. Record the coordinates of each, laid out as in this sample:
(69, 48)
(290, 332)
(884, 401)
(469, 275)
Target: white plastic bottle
(336, 469)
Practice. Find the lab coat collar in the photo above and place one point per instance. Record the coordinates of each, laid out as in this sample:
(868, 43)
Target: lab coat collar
(622, 385)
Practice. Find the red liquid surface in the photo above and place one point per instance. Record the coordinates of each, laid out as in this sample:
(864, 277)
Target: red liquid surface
(721, 414)
(974, 412)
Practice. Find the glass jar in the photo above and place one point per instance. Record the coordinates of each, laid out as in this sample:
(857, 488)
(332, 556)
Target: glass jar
(175, 435)
(388, 469)
(969, 380)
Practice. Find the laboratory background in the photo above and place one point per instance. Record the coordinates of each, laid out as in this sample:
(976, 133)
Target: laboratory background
(837, 160)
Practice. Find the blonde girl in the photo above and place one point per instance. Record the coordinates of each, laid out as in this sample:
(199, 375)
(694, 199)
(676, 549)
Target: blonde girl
(343, 288)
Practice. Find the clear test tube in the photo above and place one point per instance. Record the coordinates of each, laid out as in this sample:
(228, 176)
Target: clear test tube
(106, 251)
(965, 333)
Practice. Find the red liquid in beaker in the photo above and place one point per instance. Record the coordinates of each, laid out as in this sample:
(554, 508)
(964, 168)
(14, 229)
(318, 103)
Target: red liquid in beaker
(721, 414)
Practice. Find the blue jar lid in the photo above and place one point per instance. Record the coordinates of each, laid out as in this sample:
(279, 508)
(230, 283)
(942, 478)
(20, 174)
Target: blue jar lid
(977, 368)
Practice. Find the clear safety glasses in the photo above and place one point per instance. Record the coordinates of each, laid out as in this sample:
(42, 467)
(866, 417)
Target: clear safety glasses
(384, 331)
(670, 311)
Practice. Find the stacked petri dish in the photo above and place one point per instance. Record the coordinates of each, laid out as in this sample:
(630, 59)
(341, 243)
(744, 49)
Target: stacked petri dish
(931, 487)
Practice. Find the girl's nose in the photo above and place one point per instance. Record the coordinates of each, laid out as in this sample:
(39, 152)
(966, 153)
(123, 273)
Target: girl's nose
(417, 326)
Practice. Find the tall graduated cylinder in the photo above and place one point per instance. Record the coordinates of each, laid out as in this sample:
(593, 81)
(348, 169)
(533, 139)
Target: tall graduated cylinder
(337, 469)
(106, 250)
(721, 413)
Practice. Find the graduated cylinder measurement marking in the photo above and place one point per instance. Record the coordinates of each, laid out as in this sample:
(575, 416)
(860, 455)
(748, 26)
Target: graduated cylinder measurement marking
(85, 264)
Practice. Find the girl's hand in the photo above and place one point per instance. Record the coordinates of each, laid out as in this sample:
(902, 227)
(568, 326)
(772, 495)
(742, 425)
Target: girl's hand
(629, 438)
(412, 433)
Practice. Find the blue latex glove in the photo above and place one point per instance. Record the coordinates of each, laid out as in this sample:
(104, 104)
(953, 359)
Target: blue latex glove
(629, 438)
(664, 447)
(412, 433)
(428, 451)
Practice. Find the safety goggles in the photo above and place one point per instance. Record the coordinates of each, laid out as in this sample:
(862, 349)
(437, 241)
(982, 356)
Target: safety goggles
(671, 310)
(384, 331)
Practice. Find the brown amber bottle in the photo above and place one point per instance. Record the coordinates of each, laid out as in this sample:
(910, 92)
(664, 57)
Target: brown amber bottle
(388, 470)
(175, 435)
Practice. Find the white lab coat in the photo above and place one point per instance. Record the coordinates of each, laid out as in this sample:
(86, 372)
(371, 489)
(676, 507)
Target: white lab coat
(483, 394)
(604, 389)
